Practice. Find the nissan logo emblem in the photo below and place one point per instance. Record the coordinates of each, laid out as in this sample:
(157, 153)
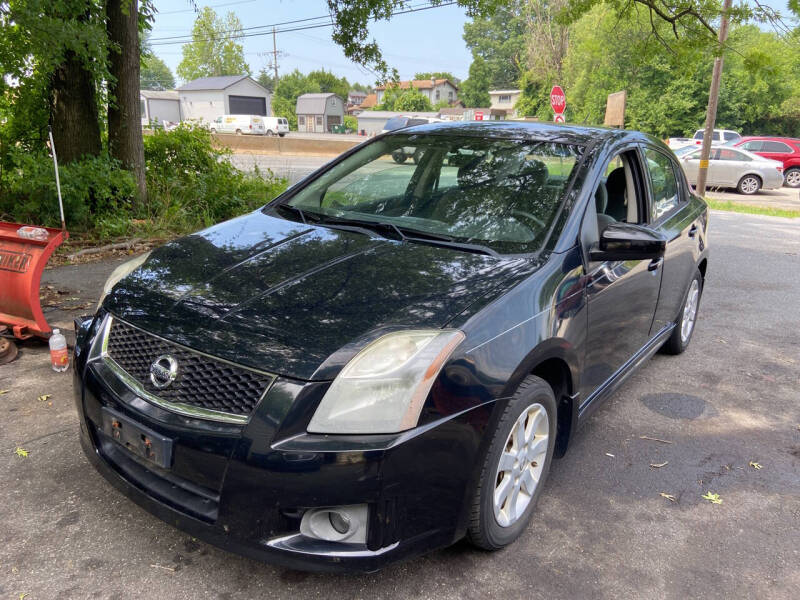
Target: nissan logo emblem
(163, 371)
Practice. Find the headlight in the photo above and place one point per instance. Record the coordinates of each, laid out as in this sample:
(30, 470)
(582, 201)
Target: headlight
(121, 271)
(382, 389)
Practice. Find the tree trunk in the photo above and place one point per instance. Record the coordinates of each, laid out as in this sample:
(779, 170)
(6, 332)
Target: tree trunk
(73, 113)
(124, 112)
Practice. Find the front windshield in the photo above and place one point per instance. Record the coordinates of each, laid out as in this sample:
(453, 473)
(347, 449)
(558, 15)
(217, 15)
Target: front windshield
(502, 194)
(395, 123)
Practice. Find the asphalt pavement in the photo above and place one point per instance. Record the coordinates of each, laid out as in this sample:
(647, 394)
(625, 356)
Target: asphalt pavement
(602, 529)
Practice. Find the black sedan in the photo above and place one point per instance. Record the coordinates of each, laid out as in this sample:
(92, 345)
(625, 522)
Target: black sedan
(388, 356)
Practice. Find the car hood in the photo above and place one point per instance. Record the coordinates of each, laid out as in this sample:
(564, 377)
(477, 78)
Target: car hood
(282, 296)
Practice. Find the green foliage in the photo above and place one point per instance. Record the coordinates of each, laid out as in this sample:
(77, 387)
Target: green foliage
(351, 122)
(266, 80)
(154, 74)
(404, 100)
(215, 49)
(474, 90)
(91, 188)
(191, 183)
(436, 75)
(328, 82)
(499, 39)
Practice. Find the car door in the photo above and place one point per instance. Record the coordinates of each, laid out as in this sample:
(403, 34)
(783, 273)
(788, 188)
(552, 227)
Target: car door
(731, 165)
(668, 214)
(776, 150)
(621, 295)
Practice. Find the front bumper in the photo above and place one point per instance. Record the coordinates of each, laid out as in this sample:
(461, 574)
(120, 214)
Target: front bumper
(245, 488)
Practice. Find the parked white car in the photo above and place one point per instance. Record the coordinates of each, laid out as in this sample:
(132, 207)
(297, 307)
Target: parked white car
(733, 168)
(719, 136)
(276, 126)
(239, 124)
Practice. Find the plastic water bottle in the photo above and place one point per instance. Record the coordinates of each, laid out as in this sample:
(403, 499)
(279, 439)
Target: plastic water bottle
(59, 355)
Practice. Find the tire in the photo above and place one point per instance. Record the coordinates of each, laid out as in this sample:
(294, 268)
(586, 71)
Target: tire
(493, 525)
(213, 130)
(399, 156)
(749, 185)
(680, 338)
(270, 133)
(281, 134)
(792, 177)
(238, 132)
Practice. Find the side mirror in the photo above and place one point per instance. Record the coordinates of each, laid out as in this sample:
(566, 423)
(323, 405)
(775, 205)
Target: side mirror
(625, 241)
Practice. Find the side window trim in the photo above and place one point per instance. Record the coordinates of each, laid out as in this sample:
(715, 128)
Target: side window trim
(679, 180)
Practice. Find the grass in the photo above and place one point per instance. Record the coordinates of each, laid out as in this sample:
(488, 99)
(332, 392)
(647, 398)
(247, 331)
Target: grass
(751, 209)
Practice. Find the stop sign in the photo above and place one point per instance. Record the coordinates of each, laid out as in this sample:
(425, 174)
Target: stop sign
(558, 100)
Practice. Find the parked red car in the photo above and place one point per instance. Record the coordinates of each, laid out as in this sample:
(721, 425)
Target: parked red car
(786, 150)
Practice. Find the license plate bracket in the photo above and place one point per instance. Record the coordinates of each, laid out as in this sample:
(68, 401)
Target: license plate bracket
(138, 439)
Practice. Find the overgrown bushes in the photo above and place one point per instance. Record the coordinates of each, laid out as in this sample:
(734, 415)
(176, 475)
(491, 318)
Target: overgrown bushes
(190, 184)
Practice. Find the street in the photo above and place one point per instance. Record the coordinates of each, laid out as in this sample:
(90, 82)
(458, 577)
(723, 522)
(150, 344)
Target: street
(721, 418)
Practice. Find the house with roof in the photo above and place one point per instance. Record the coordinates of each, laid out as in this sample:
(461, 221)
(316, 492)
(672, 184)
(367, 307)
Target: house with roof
(318, 113)
(207, 98)
(356, 97)
(502, 103)
(159, 107)
(435, 90)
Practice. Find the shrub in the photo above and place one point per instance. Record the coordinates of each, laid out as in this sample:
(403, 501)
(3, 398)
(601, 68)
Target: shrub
(191, 183)
(90, 188)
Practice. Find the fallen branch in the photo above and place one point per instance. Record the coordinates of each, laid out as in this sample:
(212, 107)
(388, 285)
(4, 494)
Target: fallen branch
(118, 246)
(652, 439)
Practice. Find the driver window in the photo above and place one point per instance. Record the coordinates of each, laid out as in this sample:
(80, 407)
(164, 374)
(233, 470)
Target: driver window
(615, 196)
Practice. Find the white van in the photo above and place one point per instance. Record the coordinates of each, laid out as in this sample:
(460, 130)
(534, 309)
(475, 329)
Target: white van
(274, 125)
(239, 124)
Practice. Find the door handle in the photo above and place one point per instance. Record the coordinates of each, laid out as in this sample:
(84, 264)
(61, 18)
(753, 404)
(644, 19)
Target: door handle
(655, 264)
(693, 231)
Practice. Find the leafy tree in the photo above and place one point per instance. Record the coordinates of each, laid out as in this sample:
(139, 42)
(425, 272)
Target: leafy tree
(290, 86)
(474, 91)
(499, 39)
(266, 80)
(328, 82)
(436, 75)
(215, 49)
(412, 100)
(154, 74)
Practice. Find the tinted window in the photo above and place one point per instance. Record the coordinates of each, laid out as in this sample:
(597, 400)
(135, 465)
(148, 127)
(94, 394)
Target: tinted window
(731, 154)
(730, 135)
(500, 193)
(663, 184)
(412, 122)
(715, 136)
(395, 123)
(776, 147)
(698, 134)
(753, 146)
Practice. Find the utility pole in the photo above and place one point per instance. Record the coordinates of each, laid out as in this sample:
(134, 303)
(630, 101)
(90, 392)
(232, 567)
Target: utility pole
(275, 55)
(713, 99)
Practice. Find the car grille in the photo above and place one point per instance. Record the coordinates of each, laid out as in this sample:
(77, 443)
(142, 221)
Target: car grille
(203, 382)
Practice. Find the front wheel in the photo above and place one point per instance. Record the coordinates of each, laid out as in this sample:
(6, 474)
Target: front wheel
(281, 134)
(749, 185)
(238, 132)
(515, 466)
(684, 328)
(399, 156)
(792, 177)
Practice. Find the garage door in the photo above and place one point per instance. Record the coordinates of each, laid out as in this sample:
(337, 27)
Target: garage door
(247, 105)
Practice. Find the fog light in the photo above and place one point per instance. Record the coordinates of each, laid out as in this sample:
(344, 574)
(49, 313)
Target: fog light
(336, 524)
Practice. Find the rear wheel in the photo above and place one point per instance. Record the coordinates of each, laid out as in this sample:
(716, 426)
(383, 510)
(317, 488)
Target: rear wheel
(515, 466)
(792, 177)
(749, 185)
(238, 132)
(399, 156)
(270, 133)
(682, 334)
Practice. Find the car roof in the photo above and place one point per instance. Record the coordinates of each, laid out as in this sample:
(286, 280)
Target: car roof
(529, 130)
(773, 138)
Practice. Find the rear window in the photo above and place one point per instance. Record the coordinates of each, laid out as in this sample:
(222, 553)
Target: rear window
(395, 123)
(776, 147)
(730, 135)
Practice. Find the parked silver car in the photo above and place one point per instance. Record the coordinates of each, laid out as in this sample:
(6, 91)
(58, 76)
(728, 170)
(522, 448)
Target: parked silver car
(734, 168)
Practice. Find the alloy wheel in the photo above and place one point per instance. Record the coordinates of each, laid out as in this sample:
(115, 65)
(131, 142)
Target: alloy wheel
(793, 178)
(520, 466)
(690, 311)
(749, 185)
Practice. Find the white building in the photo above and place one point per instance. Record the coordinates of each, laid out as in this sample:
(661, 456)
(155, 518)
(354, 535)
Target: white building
(158, 106)
(434, 90)
(371, 122)
(502, 103)
(207, 98)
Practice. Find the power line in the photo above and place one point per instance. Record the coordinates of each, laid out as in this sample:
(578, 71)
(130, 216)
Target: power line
(220, 35)
(194, 10)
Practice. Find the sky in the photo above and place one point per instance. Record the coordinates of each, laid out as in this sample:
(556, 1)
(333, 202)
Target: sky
(429, 40)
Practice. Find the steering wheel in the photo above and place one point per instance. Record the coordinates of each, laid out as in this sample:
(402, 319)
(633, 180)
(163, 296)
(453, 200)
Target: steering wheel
(529, 218)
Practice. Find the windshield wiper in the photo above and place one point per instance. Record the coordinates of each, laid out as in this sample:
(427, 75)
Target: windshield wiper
(294, 209)
(450, 243)
(375, 226)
